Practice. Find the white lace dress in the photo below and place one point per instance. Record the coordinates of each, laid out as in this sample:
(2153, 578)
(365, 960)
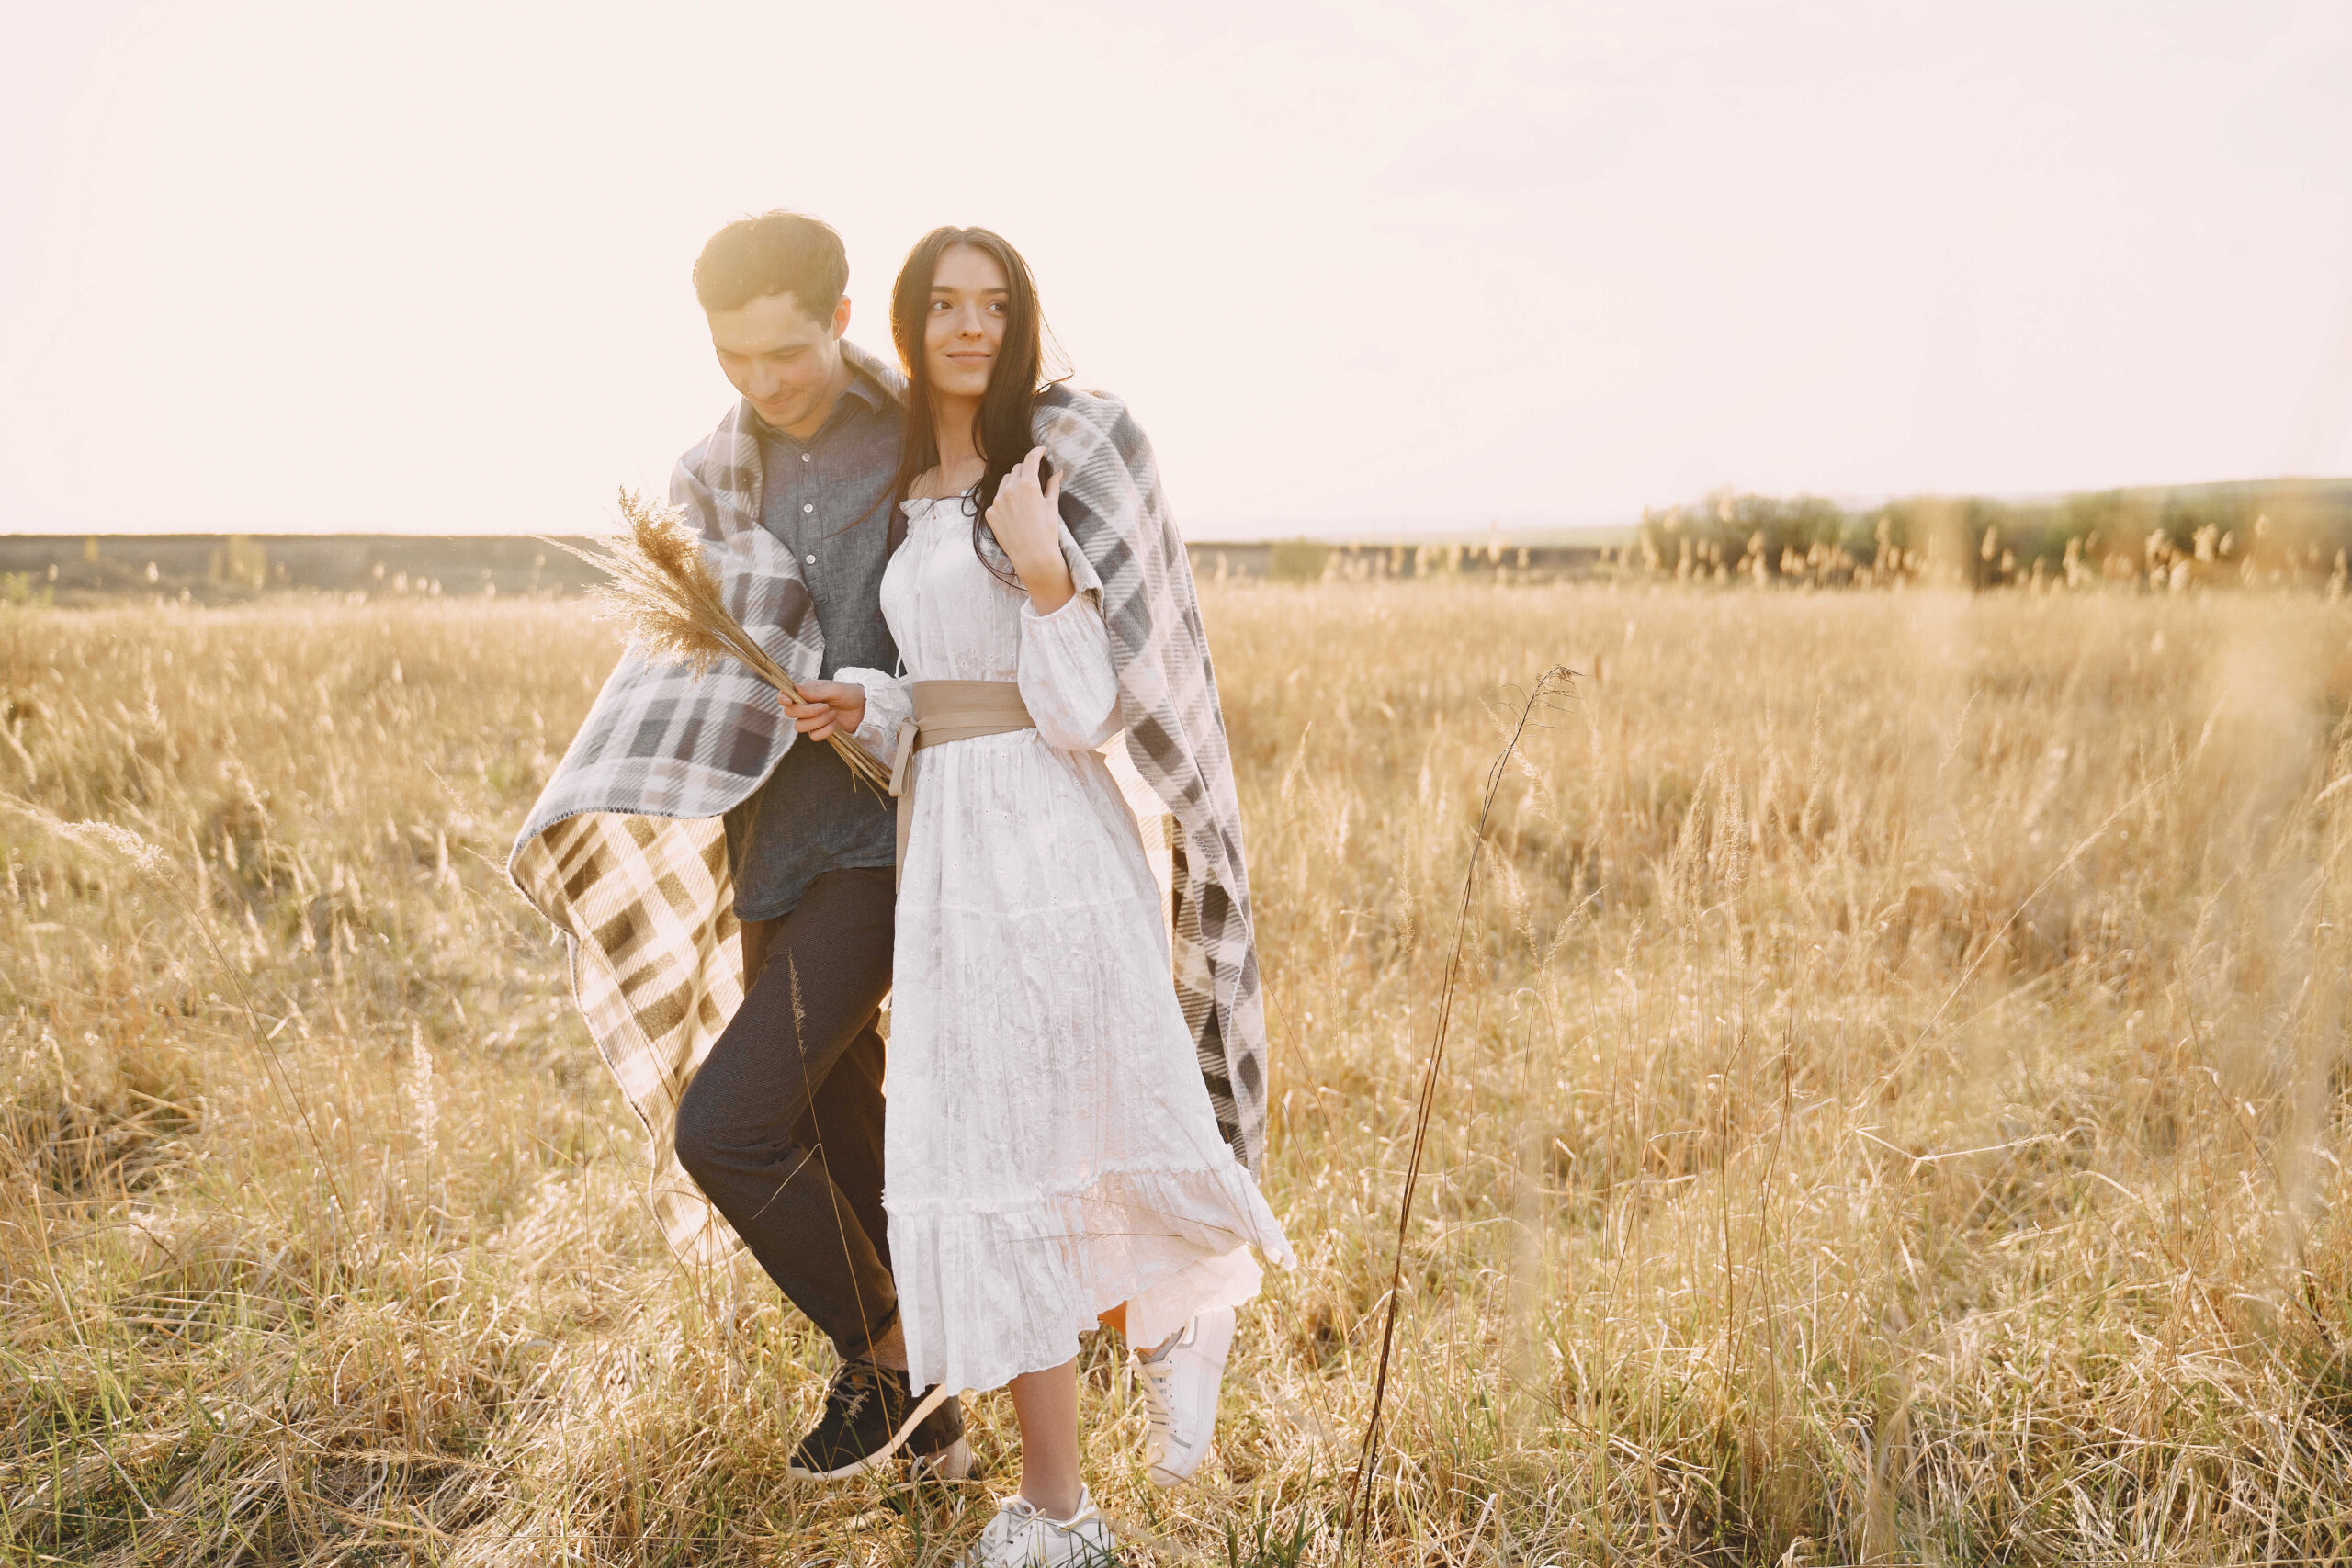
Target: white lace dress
(1049, 1150)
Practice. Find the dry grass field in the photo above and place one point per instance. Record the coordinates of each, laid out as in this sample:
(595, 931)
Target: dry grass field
(1893, 1111)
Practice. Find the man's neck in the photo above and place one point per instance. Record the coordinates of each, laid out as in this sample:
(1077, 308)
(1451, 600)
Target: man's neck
(835, 385)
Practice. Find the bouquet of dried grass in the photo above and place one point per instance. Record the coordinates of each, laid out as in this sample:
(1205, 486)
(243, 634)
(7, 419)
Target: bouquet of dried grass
(665, 594)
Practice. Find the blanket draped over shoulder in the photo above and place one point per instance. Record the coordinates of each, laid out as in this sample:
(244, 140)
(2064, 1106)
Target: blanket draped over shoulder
(625, 854)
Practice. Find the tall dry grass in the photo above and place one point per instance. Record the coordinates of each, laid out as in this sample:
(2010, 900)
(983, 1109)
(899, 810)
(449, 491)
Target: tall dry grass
(1891, 1110)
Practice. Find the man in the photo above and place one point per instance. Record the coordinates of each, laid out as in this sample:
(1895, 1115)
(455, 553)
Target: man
(776, 1112)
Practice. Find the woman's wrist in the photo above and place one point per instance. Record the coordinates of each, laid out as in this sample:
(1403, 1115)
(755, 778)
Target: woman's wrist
(1047, 580)
(1039, 568)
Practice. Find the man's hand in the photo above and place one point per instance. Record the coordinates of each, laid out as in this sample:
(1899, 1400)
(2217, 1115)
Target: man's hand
(833, 706)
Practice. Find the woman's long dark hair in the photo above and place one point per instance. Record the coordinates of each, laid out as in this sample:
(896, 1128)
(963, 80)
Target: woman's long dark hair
(1001, 430)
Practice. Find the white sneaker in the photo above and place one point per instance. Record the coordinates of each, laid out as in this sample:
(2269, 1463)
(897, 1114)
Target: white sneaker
(1182, 1381)
(1020, 1536)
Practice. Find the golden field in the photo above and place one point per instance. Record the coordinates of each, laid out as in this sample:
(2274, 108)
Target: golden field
(1892, 1110)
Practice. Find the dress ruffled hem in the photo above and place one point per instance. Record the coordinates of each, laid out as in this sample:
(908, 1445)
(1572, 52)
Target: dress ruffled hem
(988, 1294)
(1160, 1311)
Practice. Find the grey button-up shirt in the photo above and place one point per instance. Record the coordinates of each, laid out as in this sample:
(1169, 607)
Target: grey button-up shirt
(827, 500)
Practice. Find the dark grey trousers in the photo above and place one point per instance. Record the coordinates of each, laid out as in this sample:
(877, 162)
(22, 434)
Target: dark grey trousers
(782, 1127)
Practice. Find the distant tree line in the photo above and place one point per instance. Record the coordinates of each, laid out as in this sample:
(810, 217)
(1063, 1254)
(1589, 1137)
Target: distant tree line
(2269, 533)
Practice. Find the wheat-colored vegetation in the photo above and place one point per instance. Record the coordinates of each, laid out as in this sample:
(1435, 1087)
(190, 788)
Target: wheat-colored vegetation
(668, 599)
(1893, 1111)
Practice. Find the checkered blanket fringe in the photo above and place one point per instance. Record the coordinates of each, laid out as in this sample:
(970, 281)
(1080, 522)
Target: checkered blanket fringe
(624, 851)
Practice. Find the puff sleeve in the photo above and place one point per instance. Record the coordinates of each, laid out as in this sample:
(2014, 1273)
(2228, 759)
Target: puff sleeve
(1066, 677)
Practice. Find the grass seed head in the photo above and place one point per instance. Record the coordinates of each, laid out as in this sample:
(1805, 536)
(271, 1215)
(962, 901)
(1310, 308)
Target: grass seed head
(108, 837)
(667, 596)
(662, 591)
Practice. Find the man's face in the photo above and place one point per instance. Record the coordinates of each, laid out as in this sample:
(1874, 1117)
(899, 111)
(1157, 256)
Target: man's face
(779, 357)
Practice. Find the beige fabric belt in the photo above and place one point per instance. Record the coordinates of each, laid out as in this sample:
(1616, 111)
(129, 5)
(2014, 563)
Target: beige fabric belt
(944, 711)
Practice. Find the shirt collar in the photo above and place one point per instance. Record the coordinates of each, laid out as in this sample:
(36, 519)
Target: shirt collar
(865, 390)
(862, 387)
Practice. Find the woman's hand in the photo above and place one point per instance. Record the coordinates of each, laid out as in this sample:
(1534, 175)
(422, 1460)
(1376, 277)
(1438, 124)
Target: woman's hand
(833, 708)
(1028, 522)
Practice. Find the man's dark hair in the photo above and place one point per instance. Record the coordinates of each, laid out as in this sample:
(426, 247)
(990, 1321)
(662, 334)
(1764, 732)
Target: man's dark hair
(775, 253)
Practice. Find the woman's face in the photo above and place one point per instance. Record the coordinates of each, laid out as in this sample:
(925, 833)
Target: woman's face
(964, 330)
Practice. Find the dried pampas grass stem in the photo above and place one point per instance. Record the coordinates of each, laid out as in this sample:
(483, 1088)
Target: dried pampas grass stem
(664, 592)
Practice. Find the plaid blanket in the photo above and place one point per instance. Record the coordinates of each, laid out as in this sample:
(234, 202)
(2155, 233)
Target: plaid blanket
(1113, 505)
(625, 854)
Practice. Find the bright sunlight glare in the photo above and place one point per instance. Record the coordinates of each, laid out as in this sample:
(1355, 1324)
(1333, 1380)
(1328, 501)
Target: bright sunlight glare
(1357, 265)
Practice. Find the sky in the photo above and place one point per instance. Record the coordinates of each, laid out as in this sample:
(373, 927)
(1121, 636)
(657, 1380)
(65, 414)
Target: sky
(1356, 265)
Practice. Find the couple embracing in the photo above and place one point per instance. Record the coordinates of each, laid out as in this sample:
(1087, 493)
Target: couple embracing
(969, 570)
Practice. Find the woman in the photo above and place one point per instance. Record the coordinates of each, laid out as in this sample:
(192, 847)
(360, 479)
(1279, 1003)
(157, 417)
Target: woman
(1052, 1151)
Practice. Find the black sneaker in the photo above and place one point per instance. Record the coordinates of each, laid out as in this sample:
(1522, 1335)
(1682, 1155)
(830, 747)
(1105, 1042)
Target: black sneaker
(870, 1412)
